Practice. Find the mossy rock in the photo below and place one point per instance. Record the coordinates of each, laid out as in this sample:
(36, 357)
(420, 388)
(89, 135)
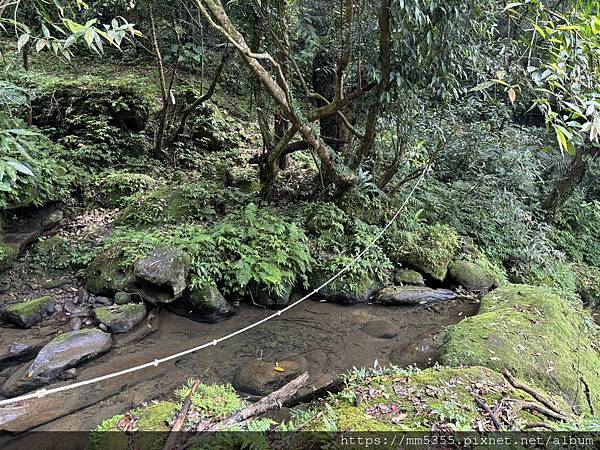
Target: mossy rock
(439, 397)
(105, 274)
(429, 250)
(121, 318)
(352, 288)
(28, 313)
(471, 276)
(410, 277)
(541, 338)
(8, 255)
(587, 281)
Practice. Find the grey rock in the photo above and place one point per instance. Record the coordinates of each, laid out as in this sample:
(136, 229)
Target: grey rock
(162, 275)
(273, 300)
(121, 318)
(412, 295)
(103, 327)
(75, 324)
(102, 301)
(62, 353)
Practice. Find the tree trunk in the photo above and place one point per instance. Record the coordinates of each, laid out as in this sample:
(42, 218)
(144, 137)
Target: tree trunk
(565, 186)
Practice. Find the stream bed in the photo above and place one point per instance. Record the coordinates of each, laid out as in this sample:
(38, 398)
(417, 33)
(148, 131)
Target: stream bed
(330, 338)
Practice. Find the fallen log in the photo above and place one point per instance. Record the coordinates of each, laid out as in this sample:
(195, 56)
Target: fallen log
(273, 400)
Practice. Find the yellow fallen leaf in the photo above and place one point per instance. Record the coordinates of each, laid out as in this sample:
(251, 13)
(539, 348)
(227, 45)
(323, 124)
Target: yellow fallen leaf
(278, 368)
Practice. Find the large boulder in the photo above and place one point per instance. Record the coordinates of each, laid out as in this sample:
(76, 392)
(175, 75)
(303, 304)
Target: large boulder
(263, 377)
(121, 318)
(471, 276)
(541, 338)
(405, 277)
(62, 353)
(208, 301)
(345, 290)
(412, 295)
(429, 250)
(162, 275)
(106, 274)
(28, 313)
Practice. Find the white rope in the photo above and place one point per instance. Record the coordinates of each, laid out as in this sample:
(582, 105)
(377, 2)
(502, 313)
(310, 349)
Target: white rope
(40, 393)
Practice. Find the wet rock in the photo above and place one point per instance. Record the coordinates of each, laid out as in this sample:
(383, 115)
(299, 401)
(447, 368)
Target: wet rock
(409, 277)
(162, 275)
(263, 377)
(208, 301)
(380, 329)
(28, 313)
(75, 324)
(122, 298)
(76, 310)
(341, 291)
(62, 353)
(121, 318)
(88, 322)
(412, 295)
(147, 327)
(421, 354)
(103, 327)
(471, 276)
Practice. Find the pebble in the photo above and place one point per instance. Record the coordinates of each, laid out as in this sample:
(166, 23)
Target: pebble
(103, 327)
(88, 322)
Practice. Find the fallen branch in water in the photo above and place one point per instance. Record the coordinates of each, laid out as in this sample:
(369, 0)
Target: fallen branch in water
(273, 400)
(536, 395)
(181, 417)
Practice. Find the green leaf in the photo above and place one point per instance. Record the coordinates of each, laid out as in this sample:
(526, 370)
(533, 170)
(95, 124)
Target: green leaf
(23, 39)
(20, 167)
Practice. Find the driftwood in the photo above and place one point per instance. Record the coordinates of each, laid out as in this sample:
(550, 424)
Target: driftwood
(273, 400)
(181, 417)
(536, 395)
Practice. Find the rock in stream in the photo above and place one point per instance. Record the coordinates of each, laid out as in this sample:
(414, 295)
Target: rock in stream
(412, 295)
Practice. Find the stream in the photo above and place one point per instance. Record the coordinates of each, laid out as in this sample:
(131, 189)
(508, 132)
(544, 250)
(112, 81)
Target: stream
(330, 338)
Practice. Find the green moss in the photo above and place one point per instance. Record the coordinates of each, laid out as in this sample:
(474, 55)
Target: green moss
(156, 417)
(410, 277)
(116, 189)
(428, 249)
(107, 435)
(587, 282)
(213, 401)
(417, 401)
(108, 273)
(172, 204)
(539, 337)
(8, 255)
(557, 275)
(471, 276)
(27, 313)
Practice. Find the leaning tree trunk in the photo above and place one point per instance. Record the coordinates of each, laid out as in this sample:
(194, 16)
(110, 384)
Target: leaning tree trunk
(565, 186)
